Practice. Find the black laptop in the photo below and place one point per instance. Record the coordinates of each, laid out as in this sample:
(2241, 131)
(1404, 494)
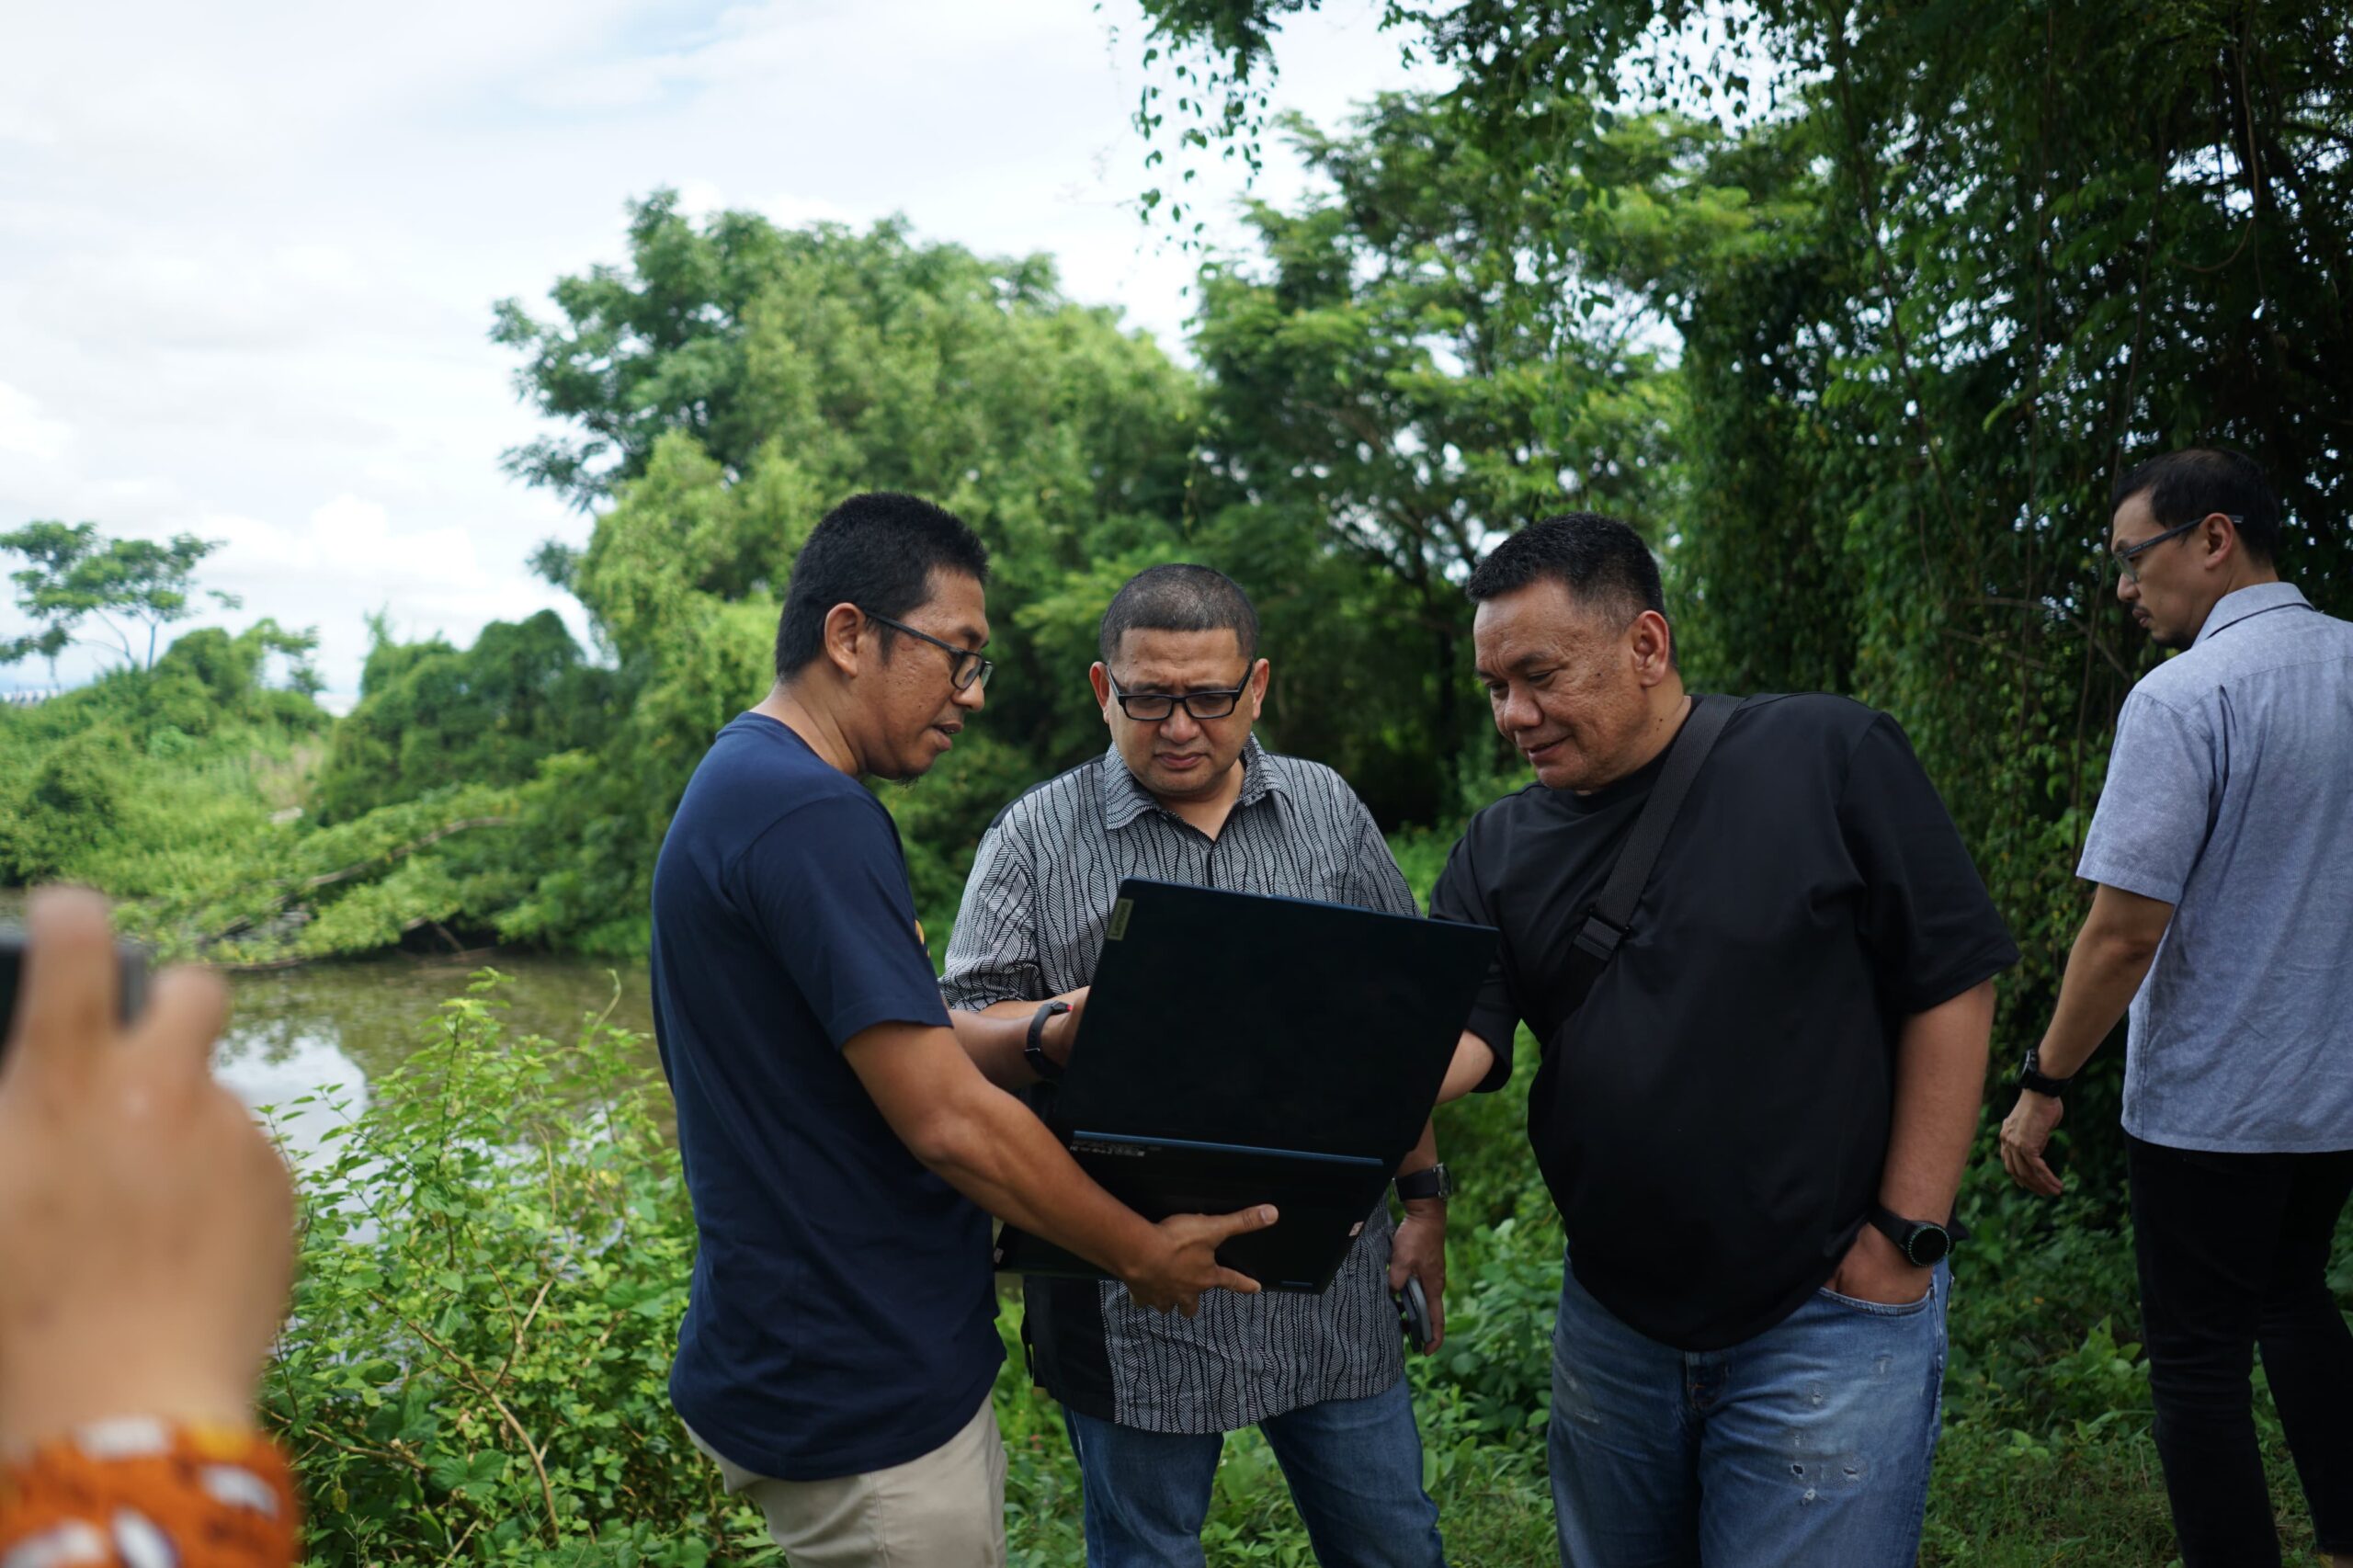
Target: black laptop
(1239, 1048)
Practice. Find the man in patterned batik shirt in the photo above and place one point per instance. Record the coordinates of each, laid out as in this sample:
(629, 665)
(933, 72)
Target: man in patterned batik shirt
(1185, 795)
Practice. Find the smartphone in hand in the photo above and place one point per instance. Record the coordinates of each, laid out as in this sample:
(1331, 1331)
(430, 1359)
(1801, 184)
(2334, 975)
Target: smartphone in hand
(1413, 1314)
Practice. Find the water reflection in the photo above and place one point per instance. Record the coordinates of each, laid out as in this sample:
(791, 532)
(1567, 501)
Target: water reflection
(326, 1029)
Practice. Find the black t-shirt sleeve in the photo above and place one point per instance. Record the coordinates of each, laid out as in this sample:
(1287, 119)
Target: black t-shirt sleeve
(1930, 925)
(828, 888)
(1494, 1017)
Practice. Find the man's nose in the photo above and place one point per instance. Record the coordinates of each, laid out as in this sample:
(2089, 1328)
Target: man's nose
(970, 697)
(2128, 587)
(1516, 712)
(1180, 726)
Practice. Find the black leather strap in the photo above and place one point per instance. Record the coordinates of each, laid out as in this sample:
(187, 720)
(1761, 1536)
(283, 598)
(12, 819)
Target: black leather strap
(1612, 915)
(1033, 1049)
(2032, 1076)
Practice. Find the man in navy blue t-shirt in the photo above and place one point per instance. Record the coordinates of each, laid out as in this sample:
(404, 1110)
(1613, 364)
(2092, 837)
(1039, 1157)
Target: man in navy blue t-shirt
(839, 1144)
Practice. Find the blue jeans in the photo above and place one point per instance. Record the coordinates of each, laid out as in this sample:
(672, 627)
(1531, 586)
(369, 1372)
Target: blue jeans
(1353, 1465)
(1805, 1447)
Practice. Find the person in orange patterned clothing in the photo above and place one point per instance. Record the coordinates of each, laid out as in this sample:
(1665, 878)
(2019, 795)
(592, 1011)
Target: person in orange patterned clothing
(146, 1243)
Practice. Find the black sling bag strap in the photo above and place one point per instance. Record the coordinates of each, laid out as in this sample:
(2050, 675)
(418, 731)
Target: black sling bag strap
(1610, 918)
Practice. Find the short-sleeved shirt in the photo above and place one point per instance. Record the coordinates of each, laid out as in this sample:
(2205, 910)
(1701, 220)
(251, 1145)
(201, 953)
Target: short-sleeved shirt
(842, 1313)
(1031, 926)
(1713, 1119)
(2230, 796)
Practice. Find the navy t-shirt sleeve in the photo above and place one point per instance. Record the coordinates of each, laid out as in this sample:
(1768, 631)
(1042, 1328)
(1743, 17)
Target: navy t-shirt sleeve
(827, 885)
(1931, 927)
(1494, 1017)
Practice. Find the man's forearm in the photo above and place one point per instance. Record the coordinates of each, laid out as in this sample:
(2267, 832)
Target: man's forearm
(1423, 1154)
(2104, 972)
(993, 1038)
(1474, 1059)
(1940, 1088)
(989, 1148)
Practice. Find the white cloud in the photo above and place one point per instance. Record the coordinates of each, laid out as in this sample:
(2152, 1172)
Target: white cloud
(25, 431)
(248, 252)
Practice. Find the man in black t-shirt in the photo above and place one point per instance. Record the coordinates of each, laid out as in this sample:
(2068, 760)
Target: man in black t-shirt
(1755, 1121)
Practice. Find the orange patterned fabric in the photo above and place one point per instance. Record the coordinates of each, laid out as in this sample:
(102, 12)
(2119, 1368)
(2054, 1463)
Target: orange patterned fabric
(144, 1493)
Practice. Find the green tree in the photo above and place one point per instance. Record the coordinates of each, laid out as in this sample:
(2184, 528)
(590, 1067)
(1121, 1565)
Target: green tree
(1378, 409)
(76, 574)
(730, 384)
(430, 716)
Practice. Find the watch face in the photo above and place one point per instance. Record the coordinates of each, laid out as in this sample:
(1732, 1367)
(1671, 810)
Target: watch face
(1927, 1245)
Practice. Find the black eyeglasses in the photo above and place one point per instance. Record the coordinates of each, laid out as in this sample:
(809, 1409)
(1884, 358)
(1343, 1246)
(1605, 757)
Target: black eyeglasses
(965, 668)
(2126, 554)
(1151, 706)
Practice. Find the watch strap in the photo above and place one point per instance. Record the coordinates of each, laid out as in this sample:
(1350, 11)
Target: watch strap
(1432, 1181)
(1901, 1231)
(1033, 1049)
(2031, 1075)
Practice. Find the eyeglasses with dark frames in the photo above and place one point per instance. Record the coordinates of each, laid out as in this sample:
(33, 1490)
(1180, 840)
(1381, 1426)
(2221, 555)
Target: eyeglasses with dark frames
(1152, 707)
(2128, 554)
(966, 669)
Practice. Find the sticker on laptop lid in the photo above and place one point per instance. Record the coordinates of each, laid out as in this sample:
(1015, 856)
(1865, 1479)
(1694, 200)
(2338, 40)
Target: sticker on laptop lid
(1120, 913)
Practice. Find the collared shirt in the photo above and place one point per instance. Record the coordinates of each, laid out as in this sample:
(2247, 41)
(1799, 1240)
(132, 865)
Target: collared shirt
(2230, 796)
(1031, 926)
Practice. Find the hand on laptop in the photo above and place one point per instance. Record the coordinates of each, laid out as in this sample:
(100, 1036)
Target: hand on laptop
(1185, 1263)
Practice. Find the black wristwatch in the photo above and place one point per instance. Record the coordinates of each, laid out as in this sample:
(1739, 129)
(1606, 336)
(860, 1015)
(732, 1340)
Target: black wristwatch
(1924, 1242)
(1033, 1049)
(2032, 1076)
(1432, 1182)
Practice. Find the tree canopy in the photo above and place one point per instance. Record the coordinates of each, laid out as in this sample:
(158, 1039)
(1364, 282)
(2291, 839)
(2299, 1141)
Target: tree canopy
(77, 576)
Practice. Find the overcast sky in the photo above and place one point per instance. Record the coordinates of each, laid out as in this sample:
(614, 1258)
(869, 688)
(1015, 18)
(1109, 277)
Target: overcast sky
(248, 252)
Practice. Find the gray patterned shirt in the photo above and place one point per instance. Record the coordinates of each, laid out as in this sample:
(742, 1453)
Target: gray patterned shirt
(1031, 926)
(2229, 795)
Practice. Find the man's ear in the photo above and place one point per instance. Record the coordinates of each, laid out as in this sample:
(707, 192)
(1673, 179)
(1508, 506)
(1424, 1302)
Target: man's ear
(1098, 675)
(1651, 643)
(845, 627)
(1259, 674)
(2221, 537)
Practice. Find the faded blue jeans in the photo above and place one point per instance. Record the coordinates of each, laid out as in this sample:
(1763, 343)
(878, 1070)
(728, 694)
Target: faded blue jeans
(1353, 1465)
(1806, 1446)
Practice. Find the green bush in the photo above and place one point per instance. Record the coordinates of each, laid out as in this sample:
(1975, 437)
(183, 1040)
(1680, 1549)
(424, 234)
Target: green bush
(495, 1257)
(496, 1253)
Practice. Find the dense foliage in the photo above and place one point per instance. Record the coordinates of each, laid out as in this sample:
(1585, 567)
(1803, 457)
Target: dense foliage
(1857, 311)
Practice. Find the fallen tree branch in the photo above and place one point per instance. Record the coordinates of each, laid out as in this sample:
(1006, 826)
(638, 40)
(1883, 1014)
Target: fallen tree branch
(244, 922)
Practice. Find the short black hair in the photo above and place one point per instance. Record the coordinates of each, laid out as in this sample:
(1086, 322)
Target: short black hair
(1180, 597)
(878, 552)
(1601, 560)
(2185, 485)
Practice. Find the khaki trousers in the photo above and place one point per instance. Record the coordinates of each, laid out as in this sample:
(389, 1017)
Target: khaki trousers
(944, 1509)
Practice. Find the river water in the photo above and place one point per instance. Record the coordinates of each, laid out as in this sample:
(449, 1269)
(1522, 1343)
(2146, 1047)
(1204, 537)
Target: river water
(330, 1029)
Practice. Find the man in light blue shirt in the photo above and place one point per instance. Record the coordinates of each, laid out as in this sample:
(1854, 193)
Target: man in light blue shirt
(2223, 849)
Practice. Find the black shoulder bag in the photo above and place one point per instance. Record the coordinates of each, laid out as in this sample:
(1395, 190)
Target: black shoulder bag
(1607, 923)
(1610, 918)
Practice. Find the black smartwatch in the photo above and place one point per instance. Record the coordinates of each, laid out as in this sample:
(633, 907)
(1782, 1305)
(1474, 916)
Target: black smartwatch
(1924, 1242)
(1433, 1182)
(2032, 1076)
(1033, 1049)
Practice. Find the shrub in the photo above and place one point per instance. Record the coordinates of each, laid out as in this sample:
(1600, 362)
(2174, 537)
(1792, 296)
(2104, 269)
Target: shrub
(495, 1257)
